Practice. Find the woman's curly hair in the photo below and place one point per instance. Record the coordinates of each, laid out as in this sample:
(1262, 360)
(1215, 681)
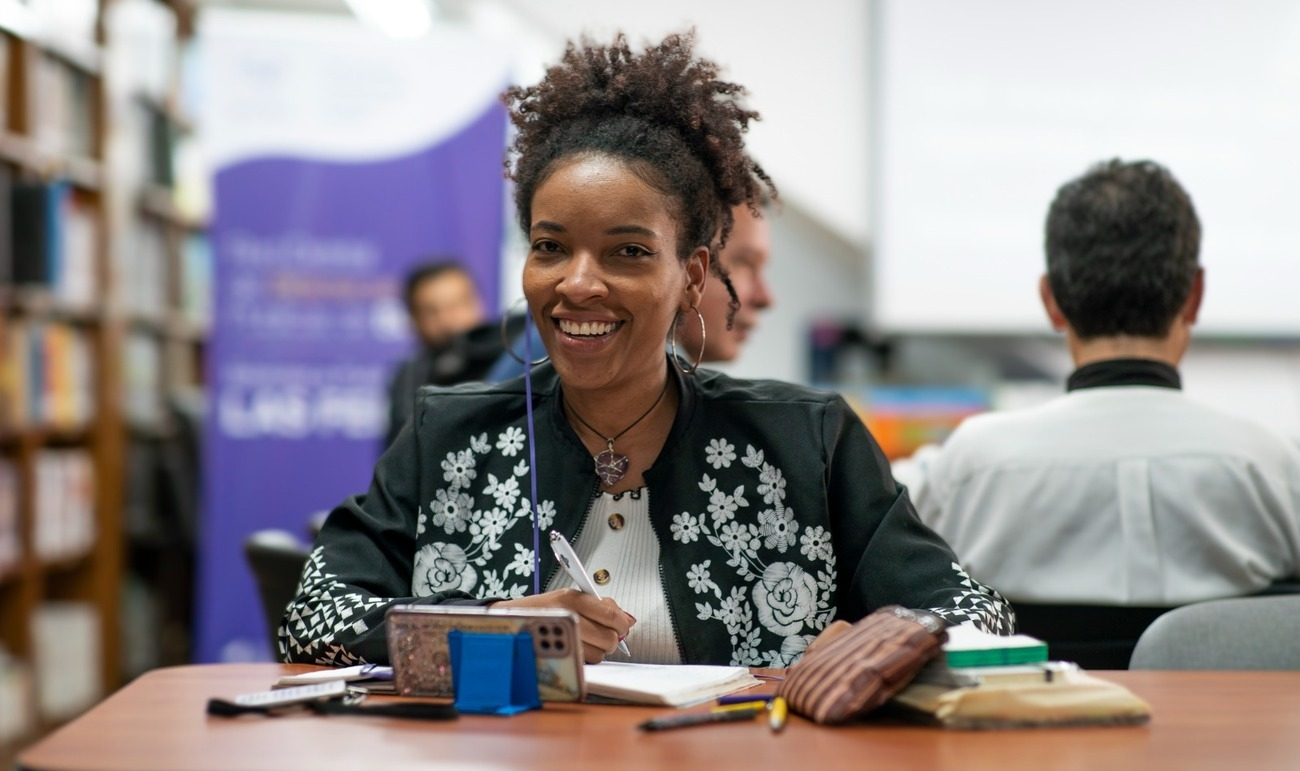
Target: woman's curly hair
(664, 111)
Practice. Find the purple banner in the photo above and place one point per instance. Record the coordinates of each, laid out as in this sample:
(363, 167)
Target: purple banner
(309, 322)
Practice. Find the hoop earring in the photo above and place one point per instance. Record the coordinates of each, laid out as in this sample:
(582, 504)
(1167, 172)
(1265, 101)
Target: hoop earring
(704, 334)
(505, 336)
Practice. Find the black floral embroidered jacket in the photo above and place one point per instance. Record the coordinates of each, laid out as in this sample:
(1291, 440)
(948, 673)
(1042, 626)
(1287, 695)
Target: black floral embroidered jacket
(774, 508)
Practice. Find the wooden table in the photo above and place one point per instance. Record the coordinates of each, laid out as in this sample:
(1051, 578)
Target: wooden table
(1202, 720)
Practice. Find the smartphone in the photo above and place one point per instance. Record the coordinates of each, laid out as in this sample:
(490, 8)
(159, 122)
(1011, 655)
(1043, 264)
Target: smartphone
(421, 659)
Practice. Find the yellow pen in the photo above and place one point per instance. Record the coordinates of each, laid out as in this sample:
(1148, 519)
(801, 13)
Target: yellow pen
(761, 706)
(776, 714)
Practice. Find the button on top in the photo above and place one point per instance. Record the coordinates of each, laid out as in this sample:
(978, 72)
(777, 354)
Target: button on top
(616, 521)
(601, 576)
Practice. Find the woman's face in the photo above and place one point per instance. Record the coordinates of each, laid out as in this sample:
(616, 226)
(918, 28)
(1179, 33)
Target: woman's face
(602, 277)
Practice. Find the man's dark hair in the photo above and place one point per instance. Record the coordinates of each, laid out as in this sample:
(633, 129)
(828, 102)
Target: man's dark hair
(1122, 246)
(663, 111)
(427, 272)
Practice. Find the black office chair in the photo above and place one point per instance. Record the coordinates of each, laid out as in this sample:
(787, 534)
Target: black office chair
(1093, 636)
(1101, 636)
(276, 558)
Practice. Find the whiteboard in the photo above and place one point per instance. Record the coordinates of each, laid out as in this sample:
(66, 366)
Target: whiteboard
(984, 109)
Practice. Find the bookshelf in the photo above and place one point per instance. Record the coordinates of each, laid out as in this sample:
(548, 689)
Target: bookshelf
(99, 333)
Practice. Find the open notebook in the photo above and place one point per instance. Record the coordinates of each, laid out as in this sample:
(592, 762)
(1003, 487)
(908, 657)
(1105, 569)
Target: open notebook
(665, 684)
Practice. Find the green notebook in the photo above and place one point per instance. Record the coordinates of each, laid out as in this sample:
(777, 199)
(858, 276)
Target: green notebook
(969, 647)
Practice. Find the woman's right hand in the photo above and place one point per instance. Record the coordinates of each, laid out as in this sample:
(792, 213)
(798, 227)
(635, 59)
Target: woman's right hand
(602, 623)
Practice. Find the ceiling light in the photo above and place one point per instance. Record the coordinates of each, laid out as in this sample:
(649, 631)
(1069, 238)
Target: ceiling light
(395, 18)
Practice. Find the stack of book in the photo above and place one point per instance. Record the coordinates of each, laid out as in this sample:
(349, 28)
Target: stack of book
(989, 681)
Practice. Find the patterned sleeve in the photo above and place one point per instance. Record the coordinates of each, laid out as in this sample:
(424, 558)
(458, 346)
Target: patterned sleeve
(361, 565)
(896, 559)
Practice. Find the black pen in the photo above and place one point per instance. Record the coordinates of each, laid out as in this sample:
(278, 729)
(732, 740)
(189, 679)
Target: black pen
(700, 718)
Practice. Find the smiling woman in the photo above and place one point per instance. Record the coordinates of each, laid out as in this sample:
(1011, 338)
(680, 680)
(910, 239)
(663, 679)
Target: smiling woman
(725, 521)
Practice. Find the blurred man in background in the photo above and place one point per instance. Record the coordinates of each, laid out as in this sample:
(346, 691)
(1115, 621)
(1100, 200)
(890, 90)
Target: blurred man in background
(745, 260)
(446, 310)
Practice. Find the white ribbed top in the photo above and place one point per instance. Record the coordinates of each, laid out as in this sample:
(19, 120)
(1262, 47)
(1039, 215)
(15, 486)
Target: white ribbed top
(631, 555)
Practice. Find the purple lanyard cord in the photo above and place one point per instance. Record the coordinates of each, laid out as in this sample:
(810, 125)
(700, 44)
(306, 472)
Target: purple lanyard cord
(532, 450)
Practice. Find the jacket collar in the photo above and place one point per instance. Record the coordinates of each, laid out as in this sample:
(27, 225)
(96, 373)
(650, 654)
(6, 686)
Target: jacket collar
(1124, 372)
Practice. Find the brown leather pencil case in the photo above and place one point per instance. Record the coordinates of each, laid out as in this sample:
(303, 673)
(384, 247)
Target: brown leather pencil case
(859, 670)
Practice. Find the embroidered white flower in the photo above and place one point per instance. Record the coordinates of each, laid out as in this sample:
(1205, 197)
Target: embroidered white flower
(493, 585)
(520, 469)
(685, 528)
(720, 453)
(815, 543)
(490, 524)
(737, 537)
(771, 484)
(511, 441)
(746, 654)
(442, 567)
(522, 563)
(701, 583)
(753, 458)
(505, 491)
(458, 469)
(723, 507)
(480, 444)
(545, 514)
(778, 528)
(421, 520)
(792, 650)
(785, 597)
(451, 511)
(734, 611)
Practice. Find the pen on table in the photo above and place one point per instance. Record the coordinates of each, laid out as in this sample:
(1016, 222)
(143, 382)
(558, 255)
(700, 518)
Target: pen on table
(700, 718)
(761, 706)
(740, 698)
(777, 712)
(568, 559)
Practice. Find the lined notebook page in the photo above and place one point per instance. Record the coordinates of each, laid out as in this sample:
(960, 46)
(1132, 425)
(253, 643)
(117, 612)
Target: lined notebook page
(672, 685)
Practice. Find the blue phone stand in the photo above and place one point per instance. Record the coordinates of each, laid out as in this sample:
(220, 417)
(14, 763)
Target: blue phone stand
(493, 674)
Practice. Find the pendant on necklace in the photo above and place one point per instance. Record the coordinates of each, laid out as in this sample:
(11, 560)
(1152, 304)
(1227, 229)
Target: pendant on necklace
(610, 466)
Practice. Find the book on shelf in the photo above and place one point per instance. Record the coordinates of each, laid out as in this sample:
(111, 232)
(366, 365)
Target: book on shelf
(64, 504)
(66, 640)
(11, 546)
(16, 717)
(677, 685)
(196, 280)
(55, 236)
(6, 202)
(64, 116)
(141, 268)
(47, 375)
(5, 43)
(13, 375)
(142, 380)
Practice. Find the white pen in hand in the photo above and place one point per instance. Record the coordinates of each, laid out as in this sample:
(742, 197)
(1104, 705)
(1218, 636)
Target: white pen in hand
(568, 560)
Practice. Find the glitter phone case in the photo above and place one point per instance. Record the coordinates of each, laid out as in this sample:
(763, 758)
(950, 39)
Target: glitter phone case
(417, 646)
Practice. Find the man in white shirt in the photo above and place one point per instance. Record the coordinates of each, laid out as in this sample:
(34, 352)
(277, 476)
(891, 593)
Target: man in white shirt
(1122, 491)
